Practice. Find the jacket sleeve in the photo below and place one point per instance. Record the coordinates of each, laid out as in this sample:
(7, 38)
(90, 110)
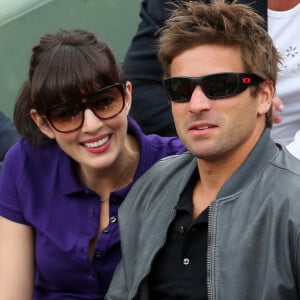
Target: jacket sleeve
(297, 263)
(118, 287)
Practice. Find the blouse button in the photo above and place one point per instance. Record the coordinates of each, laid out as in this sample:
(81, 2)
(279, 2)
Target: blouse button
(186, 261)
(113, 220)
(98, 254)
(93, 274)
(181, 229)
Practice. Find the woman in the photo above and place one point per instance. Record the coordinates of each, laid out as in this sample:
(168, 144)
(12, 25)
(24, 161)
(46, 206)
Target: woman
(62, 184)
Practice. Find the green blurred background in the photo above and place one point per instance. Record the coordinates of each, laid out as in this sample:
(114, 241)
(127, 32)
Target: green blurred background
(114, 21)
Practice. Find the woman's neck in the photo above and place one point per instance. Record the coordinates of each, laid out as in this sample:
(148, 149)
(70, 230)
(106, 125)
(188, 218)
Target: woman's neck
(116, 176)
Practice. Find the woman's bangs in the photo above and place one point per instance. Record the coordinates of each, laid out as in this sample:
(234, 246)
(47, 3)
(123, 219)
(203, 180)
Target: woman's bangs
(71, 76)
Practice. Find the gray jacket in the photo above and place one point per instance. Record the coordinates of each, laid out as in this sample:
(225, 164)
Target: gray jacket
(254, 227)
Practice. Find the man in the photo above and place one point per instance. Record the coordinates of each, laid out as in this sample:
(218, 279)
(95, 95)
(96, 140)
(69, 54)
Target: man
(221, 221)
(150, 105)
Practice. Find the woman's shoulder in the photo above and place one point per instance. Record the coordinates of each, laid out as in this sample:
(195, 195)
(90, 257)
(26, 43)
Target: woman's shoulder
(25, 155)
(24, 148)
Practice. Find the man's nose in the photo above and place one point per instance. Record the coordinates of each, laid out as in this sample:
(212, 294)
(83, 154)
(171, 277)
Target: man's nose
(199, 101)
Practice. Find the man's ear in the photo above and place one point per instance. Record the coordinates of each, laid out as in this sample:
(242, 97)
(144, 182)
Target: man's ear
(265, 97)
(42, 124)
(128, 96)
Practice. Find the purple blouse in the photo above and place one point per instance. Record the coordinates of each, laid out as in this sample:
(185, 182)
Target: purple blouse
(38, 187)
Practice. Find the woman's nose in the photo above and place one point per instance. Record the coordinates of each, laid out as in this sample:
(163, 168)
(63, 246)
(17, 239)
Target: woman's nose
(91, 121)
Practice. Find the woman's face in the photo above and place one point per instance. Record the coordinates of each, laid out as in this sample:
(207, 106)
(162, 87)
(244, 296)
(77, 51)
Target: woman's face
(97, 143)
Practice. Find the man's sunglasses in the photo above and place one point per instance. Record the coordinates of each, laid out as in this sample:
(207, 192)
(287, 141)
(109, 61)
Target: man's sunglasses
(214, 86)
(105, 103)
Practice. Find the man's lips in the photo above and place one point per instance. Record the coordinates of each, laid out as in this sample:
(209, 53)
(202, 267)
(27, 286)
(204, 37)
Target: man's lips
(202, 126)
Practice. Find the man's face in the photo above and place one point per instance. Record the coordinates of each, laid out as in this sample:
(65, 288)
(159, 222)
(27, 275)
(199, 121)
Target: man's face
(215, 128)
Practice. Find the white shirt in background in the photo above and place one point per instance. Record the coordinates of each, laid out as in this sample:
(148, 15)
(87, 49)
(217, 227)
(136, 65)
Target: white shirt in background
(284, 28)
(294, 147)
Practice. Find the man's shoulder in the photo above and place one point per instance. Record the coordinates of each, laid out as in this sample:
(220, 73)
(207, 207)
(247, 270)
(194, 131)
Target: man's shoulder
(287, 162)
(283, 175)
(165, 176)
(170, 164)
(164, 181)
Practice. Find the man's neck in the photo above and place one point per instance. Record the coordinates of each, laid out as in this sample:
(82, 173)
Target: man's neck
(281, 5)
(212, 178)
(214, 172)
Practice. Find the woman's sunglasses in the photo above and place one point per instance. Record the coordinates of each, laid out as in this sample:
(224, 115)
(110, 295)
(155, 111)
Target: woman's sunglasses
(214, 86)
(105, 103)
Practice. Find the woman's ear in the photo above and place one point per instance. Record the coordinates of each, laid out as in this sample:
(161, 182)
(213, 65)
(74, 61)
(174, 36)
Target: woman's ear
(128, 96)
(42, 124)
(265, 97)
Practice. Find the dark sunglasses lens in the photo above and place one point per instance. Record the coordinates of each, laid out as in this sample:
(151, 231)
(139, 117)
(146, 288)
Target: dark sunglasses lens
(65, 117)
(219, 85)
(179, 89)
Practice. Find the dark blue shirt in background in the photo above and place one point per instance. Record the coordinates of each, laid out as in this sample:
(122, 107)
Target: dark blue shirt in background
(8, 135)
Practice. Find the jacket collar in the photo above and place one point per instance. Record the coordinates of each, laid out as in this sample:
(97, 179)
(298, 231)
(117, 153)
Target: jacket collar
(257, 160)
(259, 157)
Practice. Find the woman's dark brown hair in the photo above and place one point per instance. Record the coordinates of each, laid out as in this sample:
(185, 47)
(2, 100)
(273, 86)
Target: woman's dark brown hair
(64, 67)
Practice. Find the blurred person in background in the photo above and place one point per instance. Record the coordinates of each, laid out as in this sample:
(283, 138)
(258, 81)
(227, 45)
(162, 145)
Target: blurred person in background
(284, 23)
(8, 135)
(283, 27)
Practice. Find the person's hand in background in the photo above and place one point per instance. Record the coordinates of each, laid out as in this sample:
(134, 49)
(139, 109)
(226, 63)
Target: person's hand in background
(277, 108)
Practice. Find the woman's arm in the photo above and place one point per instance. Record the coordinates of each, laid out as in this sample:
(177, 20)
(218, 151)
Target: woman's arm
(16, 261)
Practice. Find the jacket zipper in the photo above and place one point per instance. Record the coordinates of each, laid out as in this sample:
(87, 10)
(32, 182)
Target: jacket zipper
(209, 256)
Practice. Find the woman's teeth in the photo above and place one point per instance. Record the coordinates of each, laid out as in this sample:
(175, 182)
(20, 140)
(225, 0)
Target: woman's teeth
(96, 144)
